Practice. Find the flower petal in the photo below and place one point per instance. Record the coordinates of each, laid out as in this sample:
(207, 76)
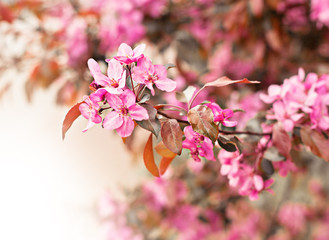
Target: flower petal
(112, 121)
(124, 50)
(114, 101)
(138, 113)
(128, 98)
(167, 85)
(126, 128)
(138, 50)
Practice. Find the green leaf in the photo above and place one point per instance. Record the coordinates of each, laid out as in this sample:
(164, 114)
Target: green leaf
(70, 117)
(152, 124)
(201, 118)
(172, 135)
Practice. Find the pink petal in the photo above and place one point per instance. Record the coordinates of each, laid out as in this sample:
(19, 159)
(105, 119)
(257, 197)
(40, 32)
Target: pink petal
(138, 50)
(138, 113)
(126, 128)
(113, 90)
(225, 169)
(227, 123)
(161, 71)
(114, 101)
(114, 69)
(139, 74)
(122, 81)
(112, 121)
(101, 79)
(93, 66)
(96, 118)
(128, 98)
(258, 182)
(167, 85)
(188, 132)
(85, 110)
(146, 63)
(124, 50)
(89, 125)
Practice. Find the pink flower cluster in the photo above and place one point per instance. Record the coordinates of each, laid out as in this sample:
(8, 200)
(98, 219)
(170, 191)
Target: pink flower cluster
(198, 145)
(112, 92)
(298, 99)
(320, 12)
(242, 176)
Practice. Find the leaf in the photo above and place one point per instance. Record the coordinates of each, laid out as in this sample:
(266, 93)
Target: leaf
(273, 155)
(149, 158)
(228, 144)
(70, 117)
(281, 140)
(145, 98)
(164, 164)
(163, 151)
(169, 65)
(318, 144)
(152, 124)
(239, 110)
(267, 167)
(223, 81)
(167, 156)
(189, 92)
(172, 135)
(202, 120)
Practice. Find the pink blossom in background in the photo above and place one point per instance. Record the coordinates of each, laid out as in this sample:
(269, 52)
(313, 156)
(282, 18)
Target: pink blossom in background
(127, 55)
(89, 110)
(149, 74)
(125, 110)
(76, 42)
(163, 193)
(293, 216)
(151, 7)
(251, 105)
(198, 145)
(115, 80)
(320, 12)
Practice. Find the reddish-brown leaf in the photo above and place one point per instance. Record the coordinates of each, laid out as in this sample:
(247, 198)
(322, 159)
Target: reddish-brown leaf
(149, 158)
(223, 81)
(70, 117)
(164, 164)
(202, 120)
(163, 151)
(318, 144)
(281, 140)
(172, 135)
(152, 124)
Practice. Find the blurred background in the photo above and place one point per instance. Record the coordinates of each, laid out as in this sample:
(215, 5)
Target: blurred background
(50, 188)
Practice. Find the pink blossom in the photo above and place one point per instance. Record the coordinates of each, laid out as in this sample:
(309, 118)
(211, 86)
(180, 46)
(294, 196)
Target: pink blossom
(76, 42)
(293, 216)
(198, 144)
(124, 111)
(241, 176)
(149, 74)
(221, 115)
(127, 55)
(89, 110)
(115, 80)
(320, 12)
